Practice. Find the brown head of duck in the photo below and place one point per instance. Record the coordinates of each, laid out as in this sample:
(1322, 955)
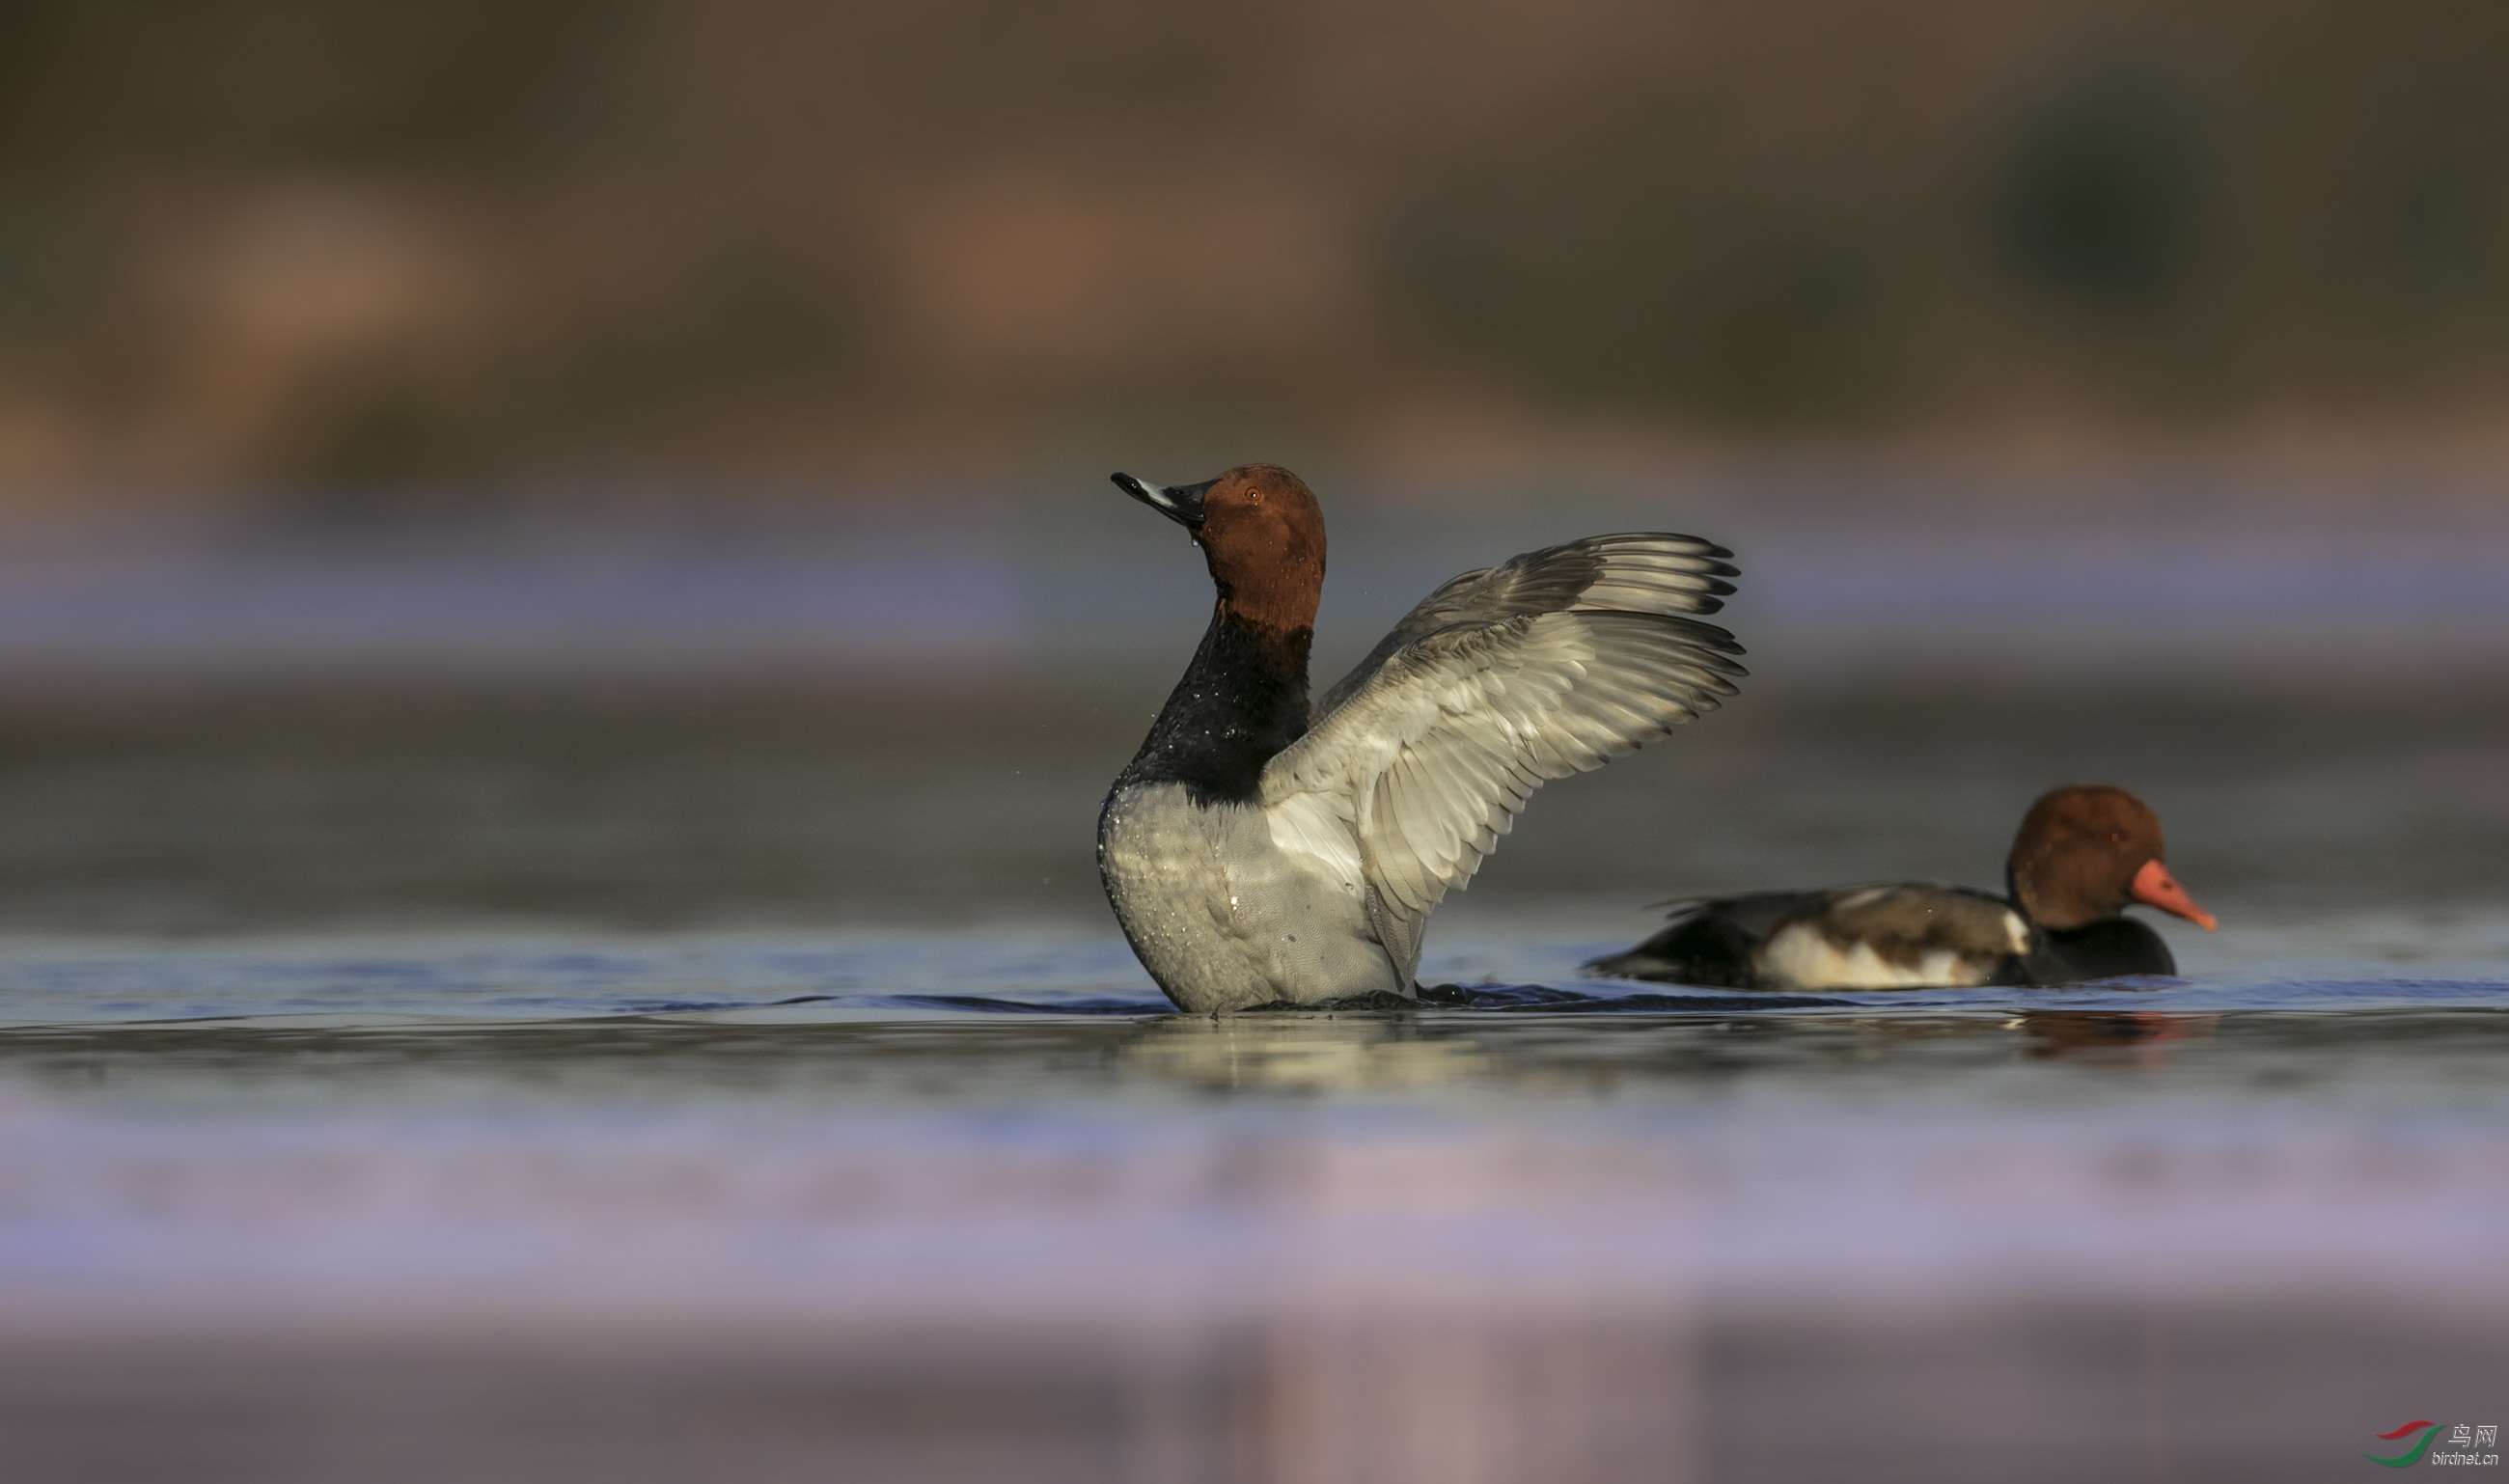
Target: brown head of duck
(1262, 535)
(2085, 853)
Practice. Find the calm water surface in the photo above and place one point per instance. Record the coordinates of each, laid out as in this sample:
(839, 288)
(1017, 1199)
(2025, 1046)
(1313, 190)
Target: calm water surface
(746, 1082)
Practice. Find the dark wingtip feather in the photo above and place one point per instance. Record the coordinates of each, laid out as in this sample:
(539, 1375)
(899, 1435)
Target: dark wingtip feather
(1705, 635)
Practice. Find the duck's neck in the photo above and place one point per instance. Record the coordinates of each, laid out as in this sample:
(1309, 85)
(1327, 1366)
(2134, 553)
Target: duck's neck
(1242, 700)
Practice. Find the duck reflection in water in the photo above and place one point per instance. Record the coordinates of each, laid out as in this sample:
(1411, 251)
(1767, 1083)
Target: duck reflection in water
(2055, 1033)
(1314, 1052)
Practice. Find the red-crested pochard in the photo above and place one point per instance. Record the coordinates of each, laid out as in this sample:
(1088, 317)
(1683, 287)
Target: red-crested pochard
(2082, 856)
(1258, 853)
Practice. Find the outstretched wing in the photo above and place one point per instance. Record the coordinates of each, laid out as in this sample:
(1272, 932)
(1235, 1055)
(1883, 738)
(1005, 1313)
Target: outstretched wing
(1647, 572)
(1551, 664)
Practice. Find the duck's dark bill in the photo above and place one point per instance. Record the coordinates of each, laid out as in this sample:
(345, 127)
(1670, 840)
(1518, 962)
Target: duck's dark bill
(1178, 503)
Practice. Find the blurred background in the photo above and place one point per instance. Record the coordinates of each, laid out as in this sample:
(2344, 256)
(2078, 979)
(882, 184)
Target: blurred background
(630, 456)
(334, 254)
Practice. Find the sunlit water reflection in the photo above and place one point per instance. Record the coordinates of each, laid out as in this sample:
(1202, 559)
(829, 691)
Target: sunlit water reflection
(1540, 1223)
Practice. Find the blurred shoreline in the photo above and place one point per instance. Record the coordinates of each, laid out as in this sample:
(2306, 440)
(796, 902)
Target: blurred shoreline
(1844, 571)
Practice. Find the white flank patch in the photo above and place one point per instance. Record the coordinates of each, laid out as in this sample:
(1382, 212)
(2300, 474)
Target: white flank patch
(1803, 957)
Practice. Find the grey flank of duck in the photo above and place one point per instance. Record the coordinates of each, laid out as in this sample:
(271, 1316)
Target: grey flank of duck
(1260, 851)
(2082, 856)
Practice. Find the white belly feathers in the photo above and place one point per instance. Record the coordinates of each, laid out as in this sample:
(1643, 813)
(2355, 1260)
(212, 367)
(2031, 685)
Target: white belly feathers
(1223, 918)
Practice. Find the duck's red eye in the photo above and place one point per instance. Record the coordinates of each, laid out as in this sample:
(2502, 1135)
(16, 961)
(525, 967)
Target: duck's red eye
(1255, 497)
(2114, 837)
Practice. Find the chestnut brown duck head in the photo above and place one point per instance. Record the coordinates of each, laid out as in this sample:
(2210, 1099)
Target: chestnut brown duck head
(2085, 854)
(1262, 534)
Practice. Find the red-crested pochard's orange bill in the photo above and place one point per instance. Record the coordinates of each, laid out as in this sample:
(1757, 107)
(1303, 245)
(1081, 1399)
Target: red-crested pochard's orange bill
(2154, 886)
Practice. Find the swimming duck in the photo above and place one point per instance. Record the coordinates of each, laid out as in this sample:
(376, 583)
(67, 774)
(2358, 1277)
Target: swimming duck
(1260, 851)
(2081, 857)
